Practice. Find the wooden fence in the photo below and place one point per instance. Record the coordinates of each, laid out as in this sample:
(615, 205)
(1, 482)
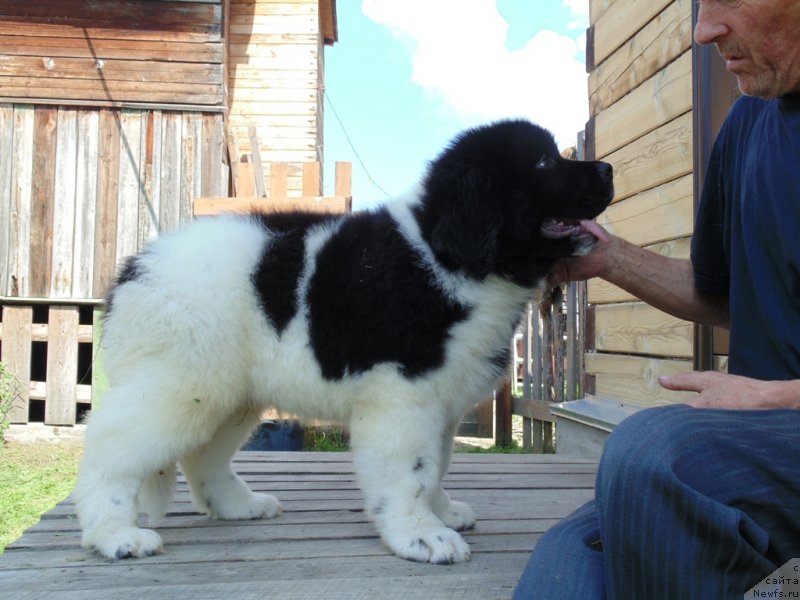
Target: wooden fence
(49, 348)
(547, 367)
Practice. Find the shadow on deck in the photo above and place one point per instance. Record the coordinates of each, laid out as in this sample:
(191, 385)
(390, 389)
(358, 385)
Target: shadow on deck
(322, 546)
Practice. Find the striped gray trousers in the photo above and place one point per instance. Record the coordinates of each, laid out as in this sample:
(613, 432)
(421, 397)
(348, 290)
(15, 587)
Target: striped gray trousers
(689, 503)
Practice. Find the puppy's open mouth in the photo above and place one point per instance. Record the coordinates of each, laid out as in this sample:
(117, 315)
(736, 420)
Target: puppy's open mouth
(563, 228)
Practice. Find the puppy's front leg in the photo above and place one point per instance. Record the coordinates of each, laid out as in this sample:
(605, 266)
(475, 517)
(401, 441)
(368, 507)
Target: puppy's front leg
(398, 459)
(456, 515)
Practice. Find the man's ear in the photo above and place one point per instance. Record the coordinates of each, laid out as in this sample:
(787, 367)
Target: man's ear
(465, 235)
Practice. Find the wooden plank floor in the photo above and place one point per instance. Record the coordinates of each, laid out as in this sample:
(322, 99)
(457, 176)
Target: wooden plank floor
(322, 546)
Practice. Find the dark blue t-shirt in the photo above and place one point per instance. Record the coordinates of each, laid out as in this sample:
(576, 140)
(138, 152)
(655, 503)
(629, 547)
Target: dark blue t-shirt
(747, 235)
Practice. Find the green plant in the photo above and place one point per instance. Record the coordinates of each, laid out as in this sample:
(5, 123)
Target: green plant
(8, 394)
(326, 439)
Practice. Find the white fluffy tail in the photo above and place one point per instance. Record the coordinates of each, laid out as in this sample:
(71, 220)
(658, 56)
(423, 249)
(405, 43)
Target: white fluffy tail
(156, 493)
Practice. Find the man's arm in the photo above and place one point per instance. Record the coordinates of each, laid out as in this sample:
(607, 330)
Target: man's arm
(668, 284)
(663, 282)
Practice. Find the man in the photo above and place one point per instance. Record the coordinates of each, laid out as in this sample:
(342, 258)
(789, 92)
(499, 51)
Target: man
(703, 501)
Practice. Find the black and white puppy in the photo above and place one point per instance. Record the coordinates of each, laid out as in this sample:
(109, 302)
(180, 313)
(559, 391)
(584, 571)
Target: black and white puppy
(394, 321)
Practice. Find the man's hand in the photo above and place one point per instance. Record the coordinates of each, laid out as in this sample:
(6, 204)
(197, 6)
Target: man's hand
(722, 390)
(594, 264)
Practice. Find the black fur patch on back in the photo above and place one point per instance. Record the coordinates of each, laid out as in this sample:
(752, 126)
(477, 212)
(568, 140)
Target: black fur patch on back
(132, 269)
(278, 272)
(371, 302)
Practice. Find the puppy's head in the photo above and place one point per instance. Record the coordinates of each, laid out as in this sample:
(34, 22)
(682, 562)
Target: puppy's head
(501, 199)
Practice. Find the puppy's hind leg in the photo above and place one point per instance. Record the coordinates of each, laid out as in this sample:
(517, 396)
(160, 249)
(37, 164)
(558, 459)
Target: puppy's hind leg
(216, 489)
(124, 445)
(397, 456)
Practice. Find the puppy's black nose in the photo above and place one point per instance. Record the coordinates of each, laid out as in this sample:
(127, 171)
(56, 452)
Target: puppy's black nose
(605, 170)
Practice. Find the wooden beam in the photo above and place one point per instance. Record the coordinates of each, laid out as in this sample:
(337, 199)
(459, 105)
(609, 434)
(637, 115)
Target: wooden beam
(327, 204)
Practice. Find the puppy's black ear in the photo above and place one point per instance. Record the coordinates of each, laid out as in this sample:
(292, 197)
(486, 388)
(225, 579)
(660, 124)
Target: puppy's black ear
(465, 232)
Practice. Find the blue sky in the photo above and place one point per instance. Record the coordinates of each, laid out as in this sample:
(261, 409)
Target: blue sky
(407, 75)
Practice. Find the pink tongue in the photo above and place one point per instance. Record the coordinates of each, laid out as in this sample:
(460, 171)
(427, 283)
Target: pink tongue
(595, 229)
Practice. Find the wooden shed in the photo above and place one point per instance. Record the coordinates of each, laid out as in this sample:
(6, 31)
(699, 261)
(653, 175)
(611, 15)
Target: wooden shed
(655, 105)
(114, 116)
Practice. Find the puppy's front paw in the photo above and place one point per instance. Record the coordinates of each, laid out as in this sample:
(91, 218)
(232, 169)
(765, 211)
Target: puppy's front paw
(253, 506)
(125, 542)
(458, 516)
(438, 545)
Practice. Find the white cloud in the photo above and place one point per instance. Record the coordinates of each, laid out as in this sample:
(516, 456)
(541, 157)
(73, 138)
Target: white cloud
(458, 54)
(579, 8)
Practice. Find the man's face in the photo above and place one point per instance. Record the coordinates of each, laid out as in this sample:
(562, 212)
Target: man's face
(759, 40)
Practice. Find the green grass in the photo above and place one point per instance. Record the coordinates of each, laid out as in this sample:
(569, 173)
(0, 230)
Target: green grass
(513, 448)
(326, 439)
(33, 479)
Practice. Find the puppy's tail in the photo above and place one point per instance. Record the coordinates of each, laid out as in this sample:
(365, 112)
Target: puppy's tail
(156, 493)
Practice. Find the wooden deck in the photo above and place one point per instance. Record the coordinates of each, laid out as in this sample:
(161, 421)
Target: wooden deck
(322, 546)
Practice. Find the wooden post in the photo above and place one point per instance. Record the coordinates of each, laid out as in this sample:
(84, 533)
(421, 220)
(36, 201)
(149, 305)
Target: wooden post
(99, 377)
(344, 176)
(278, 180)
(311, 179)
(485, 414)
(503, 408)
(258, 168)
(62, 365)
(572, 343)
(16, 357)
(527, 423)
(537, 371)
(233, 156)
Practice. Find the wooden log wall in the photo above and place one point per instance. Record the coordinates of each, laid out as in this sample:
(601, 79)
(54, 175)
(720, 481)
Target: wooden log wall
(113, 52)
(276, 58)
(640, 94)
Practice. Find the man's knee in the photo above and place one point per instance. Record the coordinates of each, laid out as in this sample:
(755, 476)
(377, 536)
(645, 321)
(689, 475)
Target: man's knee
(641, 446)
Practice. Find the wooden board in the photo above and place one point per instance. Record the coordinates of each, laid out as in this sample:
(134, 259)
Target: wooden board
(656, 101)
(619, 22)
(322, 546)
(106, 208)
(634, 379)
(16, 357)
(43, 184)
(656, 158)
(659, 214)
(638, 328)
(657, 44)
(62, 366)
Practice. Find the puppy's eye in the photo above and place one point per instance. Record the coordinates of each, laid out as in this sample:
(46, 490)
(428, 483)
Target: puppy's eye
(546, 163)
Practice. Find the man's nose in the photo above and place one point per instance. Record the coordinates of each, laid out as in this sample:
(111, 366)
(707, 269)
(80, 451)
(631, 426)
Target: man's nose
(710, 26)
